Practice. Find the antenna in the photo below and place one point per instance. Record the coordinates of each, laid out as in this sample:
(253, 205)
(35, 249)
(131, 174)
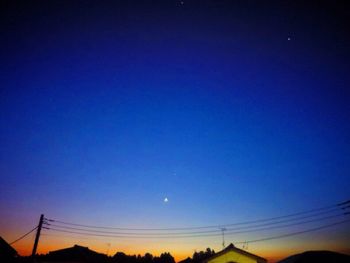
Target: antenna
(223, 229)
(109, 246)
(245, 245)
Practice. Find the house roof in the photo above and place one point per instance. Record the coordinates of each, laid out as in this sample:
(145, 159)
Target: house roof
(75, 253)
(317, 256)
(6, 249)
(231, 247)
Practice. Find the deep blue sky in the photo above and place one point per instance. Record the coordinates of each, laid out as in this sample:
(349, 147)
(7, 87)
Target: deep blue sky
(232, 110)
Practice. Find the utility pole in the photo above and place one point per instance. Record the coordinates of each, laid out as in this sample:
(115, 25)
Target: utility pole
(37, 235)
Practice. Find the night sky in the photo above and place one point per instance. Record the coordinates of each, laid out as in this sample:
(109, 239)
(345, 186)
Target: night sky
(232, 110)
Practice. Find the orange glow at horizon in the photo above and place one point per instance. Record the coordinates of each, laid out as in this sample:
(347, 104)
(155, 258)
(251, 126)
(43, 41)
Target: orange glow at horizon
(178, 255)
(180, 249)
(179, 252)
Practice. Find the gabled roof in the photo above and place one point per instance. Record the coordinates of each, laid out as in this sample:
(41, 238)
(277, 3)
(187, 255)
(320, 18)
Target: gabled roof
(231, 247)
(6, 249)
(317, 256)
(77, 253)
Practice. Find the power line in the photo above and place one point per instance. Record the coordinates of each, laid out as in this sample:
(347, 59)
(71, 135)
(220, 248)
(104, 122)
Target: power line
(173, 235)
(294, 233)
(241, 242)
(285, 225)
(215, 230)
(200, 233)
(286, 220)
(334, 206)
(65, 236)
(26, 234)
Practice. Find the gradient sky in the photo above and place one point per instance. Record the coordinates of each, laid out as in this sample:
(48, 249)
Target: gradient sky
(232, 110)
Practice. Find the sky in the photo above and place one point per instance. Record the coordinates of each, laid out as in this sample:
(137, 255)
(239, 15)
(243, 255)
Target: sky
(232, 110)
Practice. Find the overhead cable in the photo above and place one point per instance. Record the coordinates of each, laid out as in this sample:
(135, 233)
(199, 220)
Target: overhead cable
(193, 234)
(324, 209)
(241, 242)
(294, 233)
(26, 234)
(173, 235)
(201, 232)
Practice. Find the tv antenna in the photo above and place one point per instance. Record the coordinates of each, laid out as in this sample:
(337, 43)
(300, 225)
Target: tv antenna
(108, 247)
(223, 229)
(245, 245)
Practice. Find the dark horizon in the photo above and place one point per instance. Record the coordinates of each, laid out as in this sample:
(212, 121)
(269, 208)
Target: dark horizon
(84, 253)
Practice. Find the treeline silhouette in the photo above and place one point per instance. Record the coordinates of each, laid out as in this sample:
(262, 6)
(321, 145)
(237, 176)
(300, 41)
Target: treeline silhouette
(121, 257)
(83, 254)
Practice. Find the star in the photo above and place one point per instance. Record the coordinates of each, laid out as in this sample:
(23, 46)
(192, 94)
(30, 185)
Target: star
(166, 200)
(288, 38)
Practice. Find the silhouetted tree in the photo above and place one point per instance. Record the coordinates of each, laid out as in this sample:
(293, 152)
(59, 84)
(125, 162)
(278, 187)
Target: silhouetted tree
(148, 258)
(120, 257)
(198, 257)
(164, 258)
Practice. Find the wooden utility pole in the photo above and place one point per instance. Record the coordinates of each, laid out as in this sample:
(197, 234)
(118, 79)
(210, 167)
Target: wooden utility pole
(37, 235)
